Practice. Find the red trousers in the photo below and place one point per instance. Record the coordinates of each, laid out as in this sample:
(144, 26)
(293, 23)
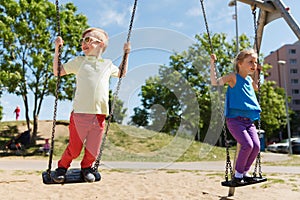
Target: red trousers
(85, 129)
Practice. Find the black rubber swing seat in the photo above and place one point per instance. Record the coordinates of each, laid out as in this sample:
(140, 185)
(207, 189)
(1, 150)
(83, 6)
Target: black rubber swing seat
(72, 176)
(234, 184)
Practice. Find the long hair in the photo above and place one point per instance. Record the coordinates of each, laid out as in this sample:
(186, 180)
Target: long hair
(241, 56)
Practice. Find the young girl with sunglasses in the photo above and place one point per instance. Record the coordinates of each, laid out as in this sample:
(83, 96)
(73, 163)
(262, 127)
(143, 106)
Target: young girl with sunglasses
(90, 105)
(242, 109)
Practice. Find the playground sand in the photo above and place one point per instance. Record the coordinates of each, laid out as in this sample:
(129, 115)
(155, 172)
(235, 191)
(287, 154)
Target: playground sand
(146, 185)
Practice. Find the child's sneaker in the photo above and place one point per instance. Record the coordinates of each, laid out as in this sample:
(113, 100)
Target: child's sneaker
(249, 179)
(60, 175)
(238, 181)
(88, 175)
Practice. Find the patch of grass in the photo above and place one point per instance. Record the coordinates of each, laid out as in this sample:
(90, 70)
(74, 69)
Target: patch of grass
(173, 171)
(216, 174)
(294, 160)
(292, 180)
(135, 144)
(294, 185)
(275, 180)
(265, 185)
(116, 170)
(128, 143)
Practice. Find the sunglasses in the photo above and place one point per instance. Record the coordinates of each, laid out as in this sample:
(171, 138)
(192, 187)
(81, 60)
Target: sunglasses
(89, 39)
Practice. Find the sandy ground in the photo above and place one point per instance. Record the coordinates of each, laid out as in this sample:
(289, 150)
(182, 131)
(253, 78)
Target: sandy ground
(150, 185)
(135, 184)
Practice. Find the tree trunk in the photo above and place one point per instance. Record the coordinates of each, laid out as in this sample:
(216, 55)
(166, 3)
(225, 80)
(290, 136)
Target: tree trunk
(26, 111)
(35, 129)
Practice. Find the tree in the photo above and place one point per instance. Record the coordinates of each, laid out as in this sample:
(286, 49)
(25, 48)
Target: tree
(193, 65)
(1, 90)
(1, 114)
(28, 30)
(119, 111)
(272, 102)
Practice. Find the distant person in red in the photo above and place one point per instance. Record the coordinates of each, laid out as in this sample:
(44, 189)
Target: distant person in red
(17, 111)
(46, 147)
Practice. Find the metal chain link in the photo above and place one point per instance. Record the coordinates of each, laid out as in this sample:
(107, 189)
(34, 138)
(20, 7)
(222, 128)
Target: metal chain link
(56, 91)
(221, 112)
(258, 159)
(116, 93)
(206, 26)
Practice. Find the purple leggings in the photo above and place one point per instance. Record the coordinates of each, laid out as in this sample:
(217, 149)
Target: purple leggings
(245, 133)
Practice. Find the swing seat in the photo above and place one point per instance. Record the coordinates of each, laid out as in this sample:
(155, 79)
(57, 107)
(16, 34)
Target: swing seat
(233, 184)
(72, 176)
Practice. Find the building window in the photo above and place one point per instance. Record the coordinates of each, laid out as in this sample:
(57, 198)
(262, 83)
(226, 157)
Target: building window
(293, 71)
(294, 81)
(292, 51)
(293, 61)
(296, 101)
(295, 91)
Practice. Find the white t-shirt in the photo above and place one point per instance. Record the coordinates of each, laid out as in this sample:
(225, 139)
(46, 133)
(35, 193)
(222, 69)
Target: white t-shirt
(92, 83)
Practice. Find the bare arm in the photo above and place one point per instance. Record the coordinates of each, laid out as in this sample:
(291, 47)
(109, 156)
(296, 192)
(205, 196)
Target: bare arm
(58, 43)
(126, 48)
(230, 78)
(213, 75)
(255, 77)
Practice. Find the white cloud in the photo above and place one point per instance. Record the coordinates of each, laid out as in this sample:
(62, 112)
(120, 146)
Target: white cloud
(177, 24)
(113, 17)
(194, 12)
(105, 12)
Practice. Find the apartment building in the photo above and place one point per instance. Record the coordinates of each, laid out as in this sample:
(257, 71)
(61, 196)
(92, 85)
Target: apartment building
(286, 75)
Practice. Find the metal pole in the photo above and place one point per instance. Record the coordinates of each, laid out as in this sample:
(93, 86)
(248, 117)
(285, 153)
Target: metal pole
(234, 3)
(236, 28)
(282, 63)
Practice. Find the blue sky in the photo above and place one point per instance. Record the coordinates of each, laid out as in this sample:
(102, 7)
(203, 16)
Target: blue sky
(160, 28)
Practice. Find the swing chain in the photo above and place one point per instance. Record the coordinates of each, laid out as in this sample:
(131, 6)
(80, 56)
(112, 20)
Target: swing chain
(56, 90)
(258, 159)
(206, 26)
(116, 93)
(221, 112)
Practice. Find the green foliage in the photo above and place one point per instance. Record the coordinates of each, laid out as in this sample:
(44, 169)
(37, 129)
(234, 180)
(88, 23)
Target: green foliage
(119, 112)
(193, 67)
(272, 102)
(1, 112)
(28, 30)
(295, 119)
(188, 72)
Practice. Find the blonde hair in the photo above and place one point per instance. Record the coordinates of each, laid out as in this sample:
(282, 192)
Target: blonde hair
(241, 56)
(102, 35)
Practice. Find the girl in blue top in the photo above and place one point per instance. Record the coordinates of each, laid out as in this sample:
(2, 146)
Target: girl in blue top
(242, 109)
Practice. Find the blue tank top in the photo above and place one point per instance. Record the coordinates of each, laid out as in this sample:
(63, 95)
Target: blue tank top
(241, 100)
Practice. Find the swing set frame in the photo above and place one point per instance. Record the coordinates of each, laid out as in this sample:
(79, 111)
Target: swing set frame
(269, 10)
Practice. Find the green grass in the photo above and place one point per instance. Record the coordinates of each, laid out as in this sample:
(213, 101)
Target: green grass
(294, 160)
(8, 130)
(128, 143)
(272, 181)
(135, 144)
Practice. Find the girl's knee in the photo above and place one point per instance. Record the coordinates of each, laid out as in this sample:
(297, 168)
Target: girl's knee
(256, 147)
(248, 146)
